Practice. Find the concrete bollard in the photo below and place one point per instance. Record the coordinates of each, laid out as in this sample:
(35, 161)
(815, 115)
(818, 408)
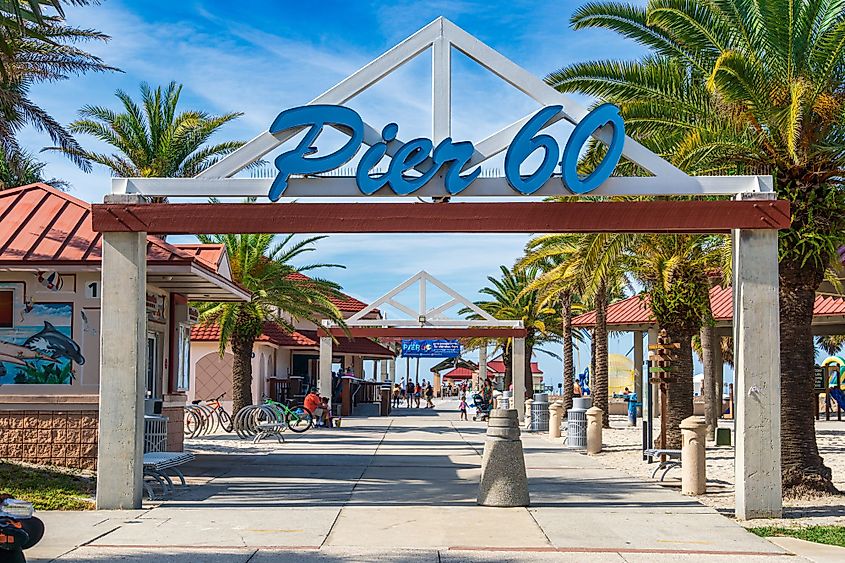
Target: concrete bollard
(526, 420)
(503, 479)
(555, 417)
(594, 430)
(693, 456)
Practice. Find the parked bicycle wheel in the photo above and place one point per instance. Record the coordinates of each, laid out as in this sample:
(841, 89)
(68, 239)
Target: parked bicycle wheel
(224, 419)
(193, 421)
(299, 419)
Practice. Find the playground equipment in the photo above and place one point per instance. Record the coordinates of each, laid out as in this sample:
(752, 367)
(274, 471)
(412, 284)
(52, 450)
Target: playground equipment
(833, 374)
(584, 382)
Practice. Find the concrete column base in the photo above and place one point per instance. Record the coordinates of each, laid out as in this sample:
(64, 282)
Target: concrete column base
(504, 482)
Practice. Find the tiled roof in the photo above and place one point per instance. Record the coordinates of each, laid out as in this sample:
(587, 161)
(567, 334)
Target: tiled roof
(273, 333)
(42, 225)
(635, 310)
(345, 303)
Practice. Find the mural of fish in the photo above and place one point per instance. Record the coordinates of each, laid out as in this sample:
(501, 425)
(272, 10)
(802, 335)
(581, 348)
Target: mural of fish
(51, 342)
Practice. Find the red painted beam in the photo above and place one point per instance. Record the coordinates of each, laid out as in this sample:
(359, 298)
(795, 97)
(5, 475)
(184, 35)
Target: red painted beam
(689, 216)
(430, 332)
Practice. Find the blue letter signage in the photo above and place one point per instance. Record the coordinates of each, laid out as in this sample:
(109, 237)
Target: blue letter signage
(448, 157)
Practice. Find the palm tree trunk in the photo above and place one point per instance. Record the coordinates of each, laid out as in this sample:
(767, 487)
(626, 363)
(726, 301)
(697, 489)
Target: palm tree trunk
(679, 397)
(600, 379)
(529, 377)
(241, 372)
(803, 469)
(568, 366)
(711, 396)
(507, 358)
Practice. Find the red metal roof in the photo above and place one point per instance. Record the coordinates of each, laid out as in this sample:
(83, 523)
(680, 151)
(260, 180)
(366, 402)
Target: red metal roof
(458, 373)
(209, 254)
(635, 310)
(498, 366)
(345, 303)
(360, 346)
(42, 225)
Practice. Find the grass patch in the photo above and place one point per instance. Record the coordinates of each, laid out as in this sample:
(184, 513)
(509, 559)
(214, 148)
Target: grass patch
(831, 535)
(46, 488)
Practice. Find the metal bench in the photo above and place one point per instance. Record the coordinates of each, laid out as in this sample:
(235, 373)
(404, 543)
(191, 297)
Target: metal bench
(156, 466)
(270, 429)
(671, 461)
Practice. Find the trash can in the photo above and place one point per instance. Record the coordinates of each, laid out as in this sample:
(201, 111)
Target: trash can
(540, 413)
(576, 423)
(505, 400)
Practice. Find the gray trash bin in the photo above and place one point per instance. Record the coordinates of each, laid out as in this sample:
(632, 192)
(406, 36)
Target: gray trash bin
(576, 423)
(540, 413)
(505, 400)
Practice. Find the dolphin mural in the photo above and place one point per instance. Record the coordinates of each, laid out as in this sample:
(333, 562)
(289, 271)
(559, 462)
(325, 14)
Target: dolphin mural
(51, 342)
(13, 353)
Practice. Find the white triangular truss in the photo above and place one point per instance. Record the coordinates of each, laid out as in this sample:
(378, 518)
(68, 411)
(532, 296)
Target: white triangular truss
(440, 37)
(426, 314)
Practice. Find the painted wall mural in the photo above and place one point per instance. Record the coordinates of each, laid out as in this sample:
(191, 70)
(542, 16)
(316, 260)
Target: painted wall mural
(40, 349)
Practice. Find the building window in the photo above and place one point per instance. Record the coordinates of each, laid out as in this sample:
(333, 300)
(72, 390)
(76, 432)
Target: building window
(7, 308)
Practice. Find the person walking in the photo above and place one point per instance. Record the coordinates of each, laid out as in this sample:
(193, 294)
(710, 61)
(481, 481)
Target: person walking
(417, 394)
(429, 395)
(462, 406)
(396, 395)
(409, 394)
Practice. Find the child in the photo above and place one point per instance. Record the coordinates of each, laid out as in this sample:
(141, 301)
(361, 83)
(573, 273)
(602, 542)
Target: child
(463, 407)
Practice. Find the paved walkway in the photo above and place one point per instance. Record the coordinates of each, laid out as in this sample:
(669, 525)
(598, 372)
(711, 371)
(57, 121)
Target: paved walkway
(401, 488)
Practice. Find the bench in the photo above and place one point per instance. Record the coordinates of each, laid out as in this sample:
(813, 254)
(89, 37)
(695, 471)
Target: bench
(156, 466)
(270, 429)
(669, 459)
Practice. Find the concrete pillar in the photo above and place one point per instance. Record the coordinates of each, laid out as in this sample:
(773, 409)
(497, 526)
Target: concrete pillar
(385, 371)
(527, 414)
(123, 359)
(655, 387)
(638, 366)
(594, 415)
(693, 456)
(719, 362)
(757, 372)
(325, 375)
(391, 369)
(504, 481)
(555, 417)
(518, 400)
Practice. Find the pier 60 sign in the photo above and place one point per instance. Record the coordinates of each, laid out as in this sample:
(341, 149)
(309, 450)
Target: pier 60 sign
(449, 156)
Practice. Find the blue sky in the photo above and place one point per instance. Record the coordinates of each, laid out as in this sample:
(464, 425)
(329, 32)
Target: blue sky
(261, 57)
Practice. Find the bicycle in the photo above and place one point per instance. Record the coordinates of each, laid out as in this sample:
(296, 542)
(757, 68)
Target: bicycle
(204, 417)
(297, 418)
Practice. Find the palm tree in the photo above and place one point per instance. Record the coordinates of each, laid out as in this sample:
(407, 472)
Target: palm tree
(739, 87)
(36, 47)
(152, 139)
(264, 267)
(673, 269)
(558, 285)
(831, 344)
(21, 168)
(509, 301)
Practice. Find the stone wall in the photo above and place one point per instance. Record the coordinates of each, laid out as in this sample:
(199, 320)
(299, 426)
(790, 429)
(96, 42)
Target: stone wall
(175, 428)
(65, 438)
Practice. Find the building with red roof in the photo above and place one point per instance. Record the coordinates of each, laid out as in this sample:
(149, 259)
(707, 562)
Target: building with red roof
(50, 260)
(283, 356)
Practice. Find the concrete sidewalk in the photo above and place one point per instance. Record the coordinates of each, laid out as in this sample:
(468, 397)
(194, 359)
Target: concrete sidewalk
(401, 488)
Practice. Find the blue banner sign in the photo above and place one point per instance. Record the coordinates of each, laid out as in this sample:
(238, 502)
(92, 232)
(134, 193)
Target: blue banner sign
(448, 158)
(431, 348)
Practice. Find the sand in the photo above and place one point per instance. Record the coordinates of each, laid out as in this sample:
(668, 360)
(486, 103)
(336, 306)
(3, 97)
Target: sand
(623, 451)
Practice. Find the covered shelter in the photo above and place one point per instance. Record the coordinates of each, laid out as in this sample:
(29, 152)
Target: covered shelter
(752, 214)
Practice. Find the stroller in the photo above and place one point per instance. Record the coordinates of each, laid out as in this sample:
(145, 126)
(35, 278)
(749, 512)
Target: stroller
(482, 408)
